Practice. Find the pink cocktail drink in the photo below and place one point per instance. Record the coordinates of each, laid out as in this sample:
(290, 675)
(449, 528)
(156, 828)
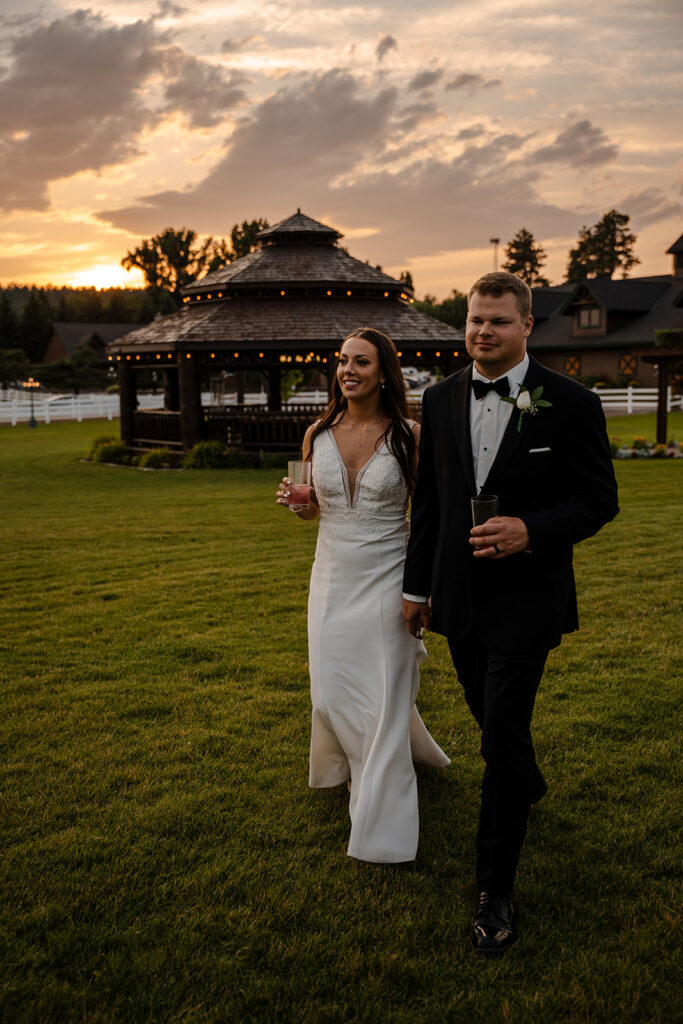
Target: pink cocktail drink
(299, 485)
(299, 496)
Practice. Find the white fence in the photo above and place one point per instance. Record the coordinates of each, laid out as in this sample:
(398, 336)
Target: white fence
(630, 400)
(15, 406)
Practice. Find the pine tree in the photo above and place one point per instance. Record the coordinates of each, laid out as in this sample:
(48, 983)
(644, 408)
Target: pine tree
(9, 325)
(525, 259)
(603, 249)
(35, 325)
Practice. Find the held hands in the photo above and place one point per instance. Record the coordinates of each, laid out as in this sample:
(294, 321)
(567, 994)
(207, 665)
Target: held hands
(499, 537)
(416, 615)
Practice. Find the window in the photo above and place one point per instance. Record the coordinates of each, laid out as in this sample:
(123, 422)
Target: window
(572, 366)
(589, 316)
(628, 365)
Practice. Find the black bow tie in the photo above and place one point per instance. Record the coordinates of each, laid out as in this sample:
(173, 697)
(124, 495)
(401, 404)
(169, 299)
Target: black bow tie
(482, 387)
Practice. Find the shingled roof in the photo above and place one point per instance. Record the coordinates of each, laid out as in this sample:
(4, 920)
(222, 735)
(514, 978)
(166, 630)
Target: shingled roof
(270, 324)
(636, 308)
(298, 288)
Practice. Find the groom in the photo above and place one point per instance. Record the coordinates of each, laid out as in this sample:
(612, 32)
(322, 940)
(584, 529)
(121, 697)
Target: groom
(503, 593)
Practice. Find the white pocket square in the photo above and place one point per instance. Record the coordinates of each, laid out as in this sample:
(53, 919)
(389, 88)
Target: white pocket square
(534, 451)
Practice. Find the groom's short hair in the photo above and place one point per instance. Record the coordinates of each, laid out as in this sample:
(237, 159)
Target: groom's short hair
(499, 282)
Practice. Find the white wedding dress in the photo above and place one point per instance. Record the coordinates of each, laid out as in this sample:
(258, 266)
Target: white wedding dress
(364, 664)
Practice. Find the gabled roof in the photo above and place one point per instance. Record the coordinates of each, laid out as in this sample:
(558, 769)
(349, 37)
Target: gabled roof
(546, 301)
(677, 246)
(638, 328)
(73, 334)
(628, 295)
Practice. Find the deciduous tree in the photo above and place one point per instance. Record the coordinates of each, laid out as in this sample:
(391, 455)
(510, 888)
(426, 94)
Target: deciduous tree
(174, 259)
(14, 366)
(452, 310)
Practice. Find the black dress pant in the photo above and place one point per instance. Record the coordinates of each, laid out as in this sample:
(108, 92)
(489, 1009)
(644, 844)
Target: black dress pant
(500, 690)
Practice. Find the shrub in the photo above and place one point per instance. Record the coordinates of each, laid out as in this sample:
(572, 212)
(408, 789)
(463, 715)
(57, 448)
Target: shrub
(213, 455)
(106, 439)
(158, 458)
(640, 443)
(113, 389)
(659, 451)
(114, 451)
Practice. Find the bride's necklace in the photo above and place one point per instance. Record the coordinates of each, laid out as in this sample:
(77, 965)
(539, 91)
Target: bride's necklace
(363, 423)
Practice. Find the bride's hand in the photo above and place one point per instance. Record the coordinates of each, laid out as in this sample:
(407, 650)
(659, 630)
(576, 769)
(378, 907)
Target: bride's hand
(282, 494)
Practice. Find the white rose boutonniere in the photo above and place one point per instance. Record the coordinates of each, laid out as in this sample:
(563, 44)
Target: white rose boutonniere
(528, 402)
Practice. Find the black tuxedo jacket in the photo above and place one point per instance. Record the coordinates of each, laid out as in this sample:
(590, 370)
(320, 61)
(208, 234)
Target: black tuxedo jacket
(556, 474)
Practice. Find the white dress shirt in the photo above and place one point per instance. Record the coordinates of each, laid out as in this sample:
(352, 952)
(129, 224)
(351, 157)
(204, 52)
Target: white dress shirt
(488, 419)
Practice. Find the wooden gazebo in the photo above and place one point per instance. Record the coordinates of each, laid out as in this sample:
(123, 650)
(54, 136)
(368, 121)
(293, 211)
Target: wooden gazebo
(289, 303)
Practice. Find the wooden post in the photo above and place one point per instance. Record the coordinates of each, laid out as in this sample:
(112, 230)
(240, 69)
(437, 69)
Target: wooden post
(662, 398)
(190, 399)
(274, 389)
(330, 373)
(128, 398)
(171, 393)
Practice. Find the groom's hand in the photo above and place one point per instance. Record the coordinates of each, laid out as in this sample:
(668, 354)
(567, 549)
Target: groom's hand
(499, 537)
(416, 614)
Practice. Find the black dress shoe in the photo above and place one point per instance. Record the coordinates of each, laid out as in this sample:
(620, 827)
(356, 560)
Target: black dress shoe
(493, 931)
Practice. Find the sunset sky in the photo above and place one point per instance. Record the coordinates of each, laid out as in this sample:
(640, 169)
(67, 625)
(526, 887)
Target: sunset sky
(418, 128)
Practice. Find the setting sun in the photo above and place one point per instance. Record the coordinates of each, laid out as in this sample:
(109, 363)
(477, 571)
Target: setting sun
(108, 275)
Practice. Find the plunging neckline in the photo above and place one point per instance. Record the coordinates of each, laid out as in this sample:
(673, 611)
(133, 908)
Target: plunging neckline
(352, 499)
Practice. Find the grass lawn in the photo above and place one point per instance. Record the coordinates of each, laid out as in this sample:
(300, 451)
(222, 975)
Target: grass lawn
(163, 858)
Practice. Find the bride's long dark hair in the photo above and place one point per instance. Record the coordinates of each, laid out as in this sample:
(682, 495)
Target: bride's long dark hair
(393, 404)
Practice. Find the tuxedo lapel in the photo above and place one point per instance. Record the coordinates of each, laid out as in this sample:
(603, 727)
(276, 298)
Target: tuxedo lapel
(460, 400)
(512, 435)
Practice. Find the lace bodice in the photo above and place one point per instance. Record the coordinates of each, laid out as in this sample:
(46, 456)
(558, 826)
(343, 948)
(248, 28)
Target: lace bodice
(380, 493)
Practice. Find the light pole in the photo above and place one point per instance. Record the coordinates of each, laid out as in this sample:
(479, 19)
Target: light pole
(29, 385)
(495, 243)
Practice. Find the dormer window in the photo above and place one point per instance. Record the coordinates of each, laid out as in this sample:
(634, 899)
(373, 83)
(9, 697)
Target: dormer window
(589, 316)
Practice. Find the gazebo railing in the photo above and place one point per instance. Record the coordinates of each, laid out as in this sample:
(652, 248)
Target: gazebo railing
(160, 427)
(260, 429)
(247, 428)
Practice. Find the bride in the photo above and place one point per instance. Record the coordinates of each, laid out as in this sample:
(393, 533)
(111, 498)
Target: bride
(364, 664)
